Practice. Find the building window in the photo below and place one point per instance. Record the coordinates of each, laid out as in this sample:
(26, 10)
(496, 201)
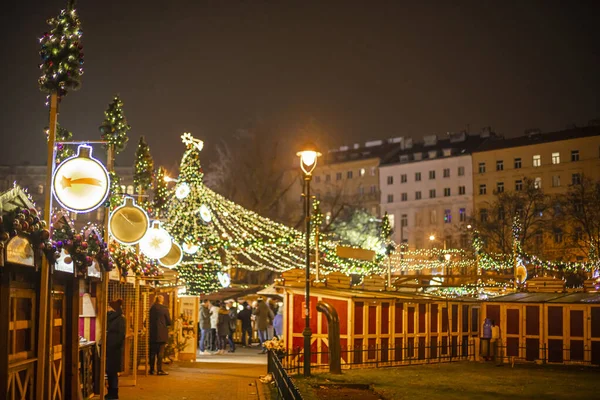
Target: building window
(574, 155)
(518, 185)
(338, 176)
(482, 189)
(390, 180)
(417, 176)
(432, 217)
(431, 174)
(349, 175)
(537, 182)
(499, 165)
(446, 192)
(361, 190)
(446, 172)
(462, 214)
(40, 189)
(578, 234)
(418, 195)
(390, 198)
(447, 216)
(404, 197)
(361, 172)
(517, 163)
(403, 178)
(464, 241)
(481, 167)
(537, 160)
(500, 187)
(483, 215)
(462, 190)
(130, 190)
(432, 193)
(576, 179)
(556, 181)
(461, 171)
(373, 189)
(501, 214)
(555, 158)
(558, 235)
(318, 179)
(404, 220)
(327, 178)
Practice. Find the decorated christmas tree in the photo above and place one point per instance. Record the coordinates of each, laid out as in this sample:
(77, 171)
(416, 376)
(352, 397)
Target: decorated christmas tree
(386, 234)
(143, 168)
(114, 128)
(62, 54)
(62, 151)
(161, 193)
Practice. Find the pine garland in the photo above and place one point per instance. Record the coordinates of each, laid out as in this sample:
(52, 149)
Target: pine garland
(62, 54)
(114, 128)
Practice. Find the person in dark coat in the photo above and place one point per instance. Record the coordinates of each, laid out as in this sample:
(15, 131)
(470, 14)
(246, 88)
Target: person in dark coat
(223, 329)
(245, 315)
(232, 309)
(204, 327)
(159, 334)
(115, 338)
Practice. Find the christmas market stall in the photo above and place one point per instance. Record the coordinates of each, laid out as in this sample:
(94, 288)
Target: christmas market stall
(378, 326)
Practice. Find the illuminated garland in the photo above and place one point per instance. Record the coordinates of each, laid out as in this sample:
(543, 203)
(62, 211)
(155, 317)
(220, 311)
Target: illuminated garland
(62, 55)
(143, 168)
(161, 193)
(114, 128)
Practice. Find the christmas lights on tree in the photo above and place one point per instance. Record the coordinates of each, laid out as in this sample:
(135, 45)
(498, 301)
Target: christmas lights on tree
(114, 128)
(143, 168)
(62, 54)
(62, 135)
(161, 193)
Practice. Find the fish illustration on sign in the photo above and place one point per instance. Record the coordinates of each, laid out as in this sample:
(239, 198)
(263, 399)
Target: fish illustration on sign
(68, 182)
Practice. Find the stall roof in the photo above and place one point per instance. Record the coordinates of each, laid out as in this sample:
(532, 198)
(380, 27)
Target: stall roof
(232, 292)
(377, 295)
(579, 297)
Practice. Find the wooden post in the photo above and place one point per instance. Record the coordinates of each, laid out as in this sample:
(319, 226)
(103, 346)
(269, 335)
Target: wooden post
(103, 300)
(4, 327)
(71, 363)
(45, 281)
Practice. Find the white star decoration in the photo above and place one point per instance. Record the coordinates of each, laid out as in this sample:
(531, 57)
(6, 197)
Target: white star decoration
(188, 139)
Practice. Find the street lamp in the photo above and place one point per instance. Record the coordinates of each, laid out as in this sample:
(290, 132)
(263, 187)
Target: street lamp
(308, 162)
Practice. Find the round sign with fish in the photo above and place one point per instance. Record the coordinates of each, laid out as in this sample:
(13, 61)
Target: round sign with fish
(81, 183)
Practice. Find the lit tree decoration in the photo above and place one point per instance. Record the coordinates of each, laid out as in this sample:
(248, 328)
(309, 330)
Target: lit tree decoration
(114, 128)
(115, 195)
(62, 135)
(61, 53)
(317, 215)
(386, 234)
(143, 168)
(161, 192)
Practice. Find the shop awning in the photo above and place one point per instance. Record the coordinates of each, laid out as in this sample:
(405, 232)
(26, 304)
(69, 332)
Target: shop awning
(233, 292)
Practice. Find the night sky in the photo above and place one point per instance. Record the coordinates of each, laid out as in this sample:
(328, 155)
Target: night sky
(355, 71)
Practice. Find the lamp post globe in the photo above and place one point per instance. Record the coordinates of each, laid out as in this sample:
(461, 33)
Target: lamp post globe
(308, 162)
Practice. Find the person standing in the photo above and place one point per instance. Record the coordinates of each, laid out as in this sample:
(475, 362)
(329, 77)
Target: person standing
(115, 338)
(232, 325)
(159, 334)
(270, 328)
(263, 316)
(204, 327)
(278, 323)
(496, 343)
(222, 329)
(245, 315)
(214, 319)
(485, 339)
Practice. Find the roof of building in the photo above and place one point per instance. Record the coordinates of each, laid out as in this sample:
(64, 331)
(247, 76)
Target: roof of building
(454, 144)
(536, 137)
(523, 297)
(374, 149)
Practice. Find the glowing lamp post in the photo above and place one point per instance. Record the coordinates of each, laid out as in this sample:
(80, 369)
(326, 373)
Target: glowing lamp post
(308, 162)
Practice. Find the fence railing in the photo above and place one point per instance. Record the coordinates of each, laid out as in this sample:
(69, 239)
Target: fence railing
(382, 356)
(285, 386)
(508, 352)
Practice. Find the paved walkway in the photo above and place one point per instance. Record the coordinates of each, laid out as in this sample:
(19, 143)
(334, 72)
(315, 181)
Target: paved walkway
(228, 376)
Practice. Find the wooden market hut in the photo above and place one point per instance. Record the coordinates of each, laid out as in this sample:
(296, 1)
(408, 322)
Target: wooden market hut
(381, 326)
(547, 326)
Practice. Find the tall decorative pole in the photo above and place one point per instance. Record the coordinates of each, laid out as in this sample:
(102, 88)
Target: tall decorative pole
(308, 162)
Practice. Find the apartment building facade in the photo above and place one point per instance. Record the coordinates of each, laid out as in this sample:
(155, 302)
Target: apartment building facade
(427, 190)
(552, 162)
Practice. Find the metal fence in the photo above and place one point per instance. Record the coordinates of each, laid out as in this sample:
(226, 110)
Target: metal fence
(285, 386)
(382, 356)
(553, 353)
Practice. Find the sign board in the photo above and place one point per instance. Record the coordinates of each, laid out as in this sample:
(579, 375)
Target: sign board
(19, 251)
(81, 183)
(187, 322)
(357, 254)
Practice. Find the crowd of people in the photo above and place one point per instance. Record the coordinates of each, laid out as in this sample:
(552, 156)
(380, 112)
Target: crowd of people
(218, 324)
